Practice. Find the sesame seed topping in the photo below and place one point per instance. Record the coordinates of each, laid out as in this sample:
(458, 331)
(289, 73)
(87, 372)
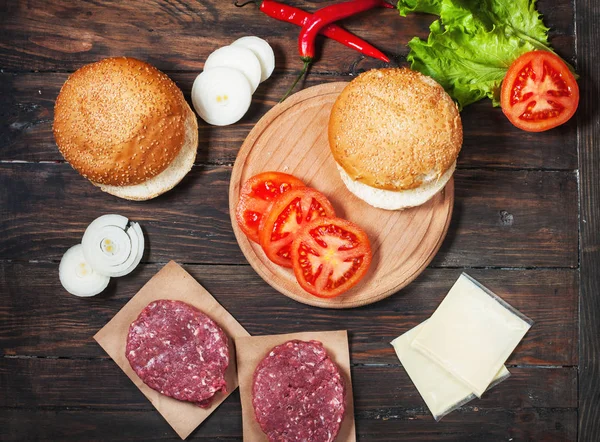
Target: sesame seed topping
(120, 121)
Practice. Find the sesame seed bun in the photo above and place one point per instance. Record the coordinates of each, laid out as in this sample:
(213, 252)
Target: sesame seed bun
(394, 130)
(396, 199)
(169, 177)
(121, 122)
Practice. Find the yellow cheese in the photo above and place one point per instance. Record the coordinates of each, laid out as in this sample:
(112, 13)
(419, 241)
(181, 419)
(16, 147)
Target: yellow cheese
(471, 334)
(441, 391)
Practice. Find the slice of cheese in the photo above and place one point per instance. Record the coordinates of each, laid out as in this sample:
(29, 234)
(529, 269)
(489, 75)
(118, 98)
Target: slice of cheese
(471, 334)
(441, 391)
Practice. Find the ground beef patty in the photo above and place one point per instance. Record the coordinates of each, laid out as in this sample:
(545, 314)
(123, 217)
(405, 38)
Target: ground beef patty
(298, 393)
(178, 351)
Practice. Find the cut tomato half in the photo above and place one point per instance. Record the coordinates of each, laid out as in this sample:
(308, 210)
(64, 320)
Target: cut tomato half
(539, 92)
(330, 256)
(289, 212)
(257, 196)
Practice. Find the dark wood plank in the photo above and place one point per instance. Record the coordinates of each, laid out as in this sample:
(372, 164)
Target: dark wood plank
(501, 218)
(469, 425)
(100, 384)
(27, 108)
(39, 318)
(491, 207)
(588, 64)
(490, 140)
(117, 425)
(548, 425)
(515, 215)
(381, 394)
(62, 35)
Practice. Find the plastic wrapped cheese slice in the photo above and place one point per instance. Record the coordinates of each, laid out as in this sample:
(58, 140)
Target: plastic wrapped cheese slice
(472, 333)
(441, 391)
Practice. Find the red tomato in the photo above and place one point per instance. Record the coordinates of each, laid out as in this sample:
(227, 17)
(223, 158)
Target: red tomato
(330, 256)
(539, 92)
(257, 196)
(289, 212)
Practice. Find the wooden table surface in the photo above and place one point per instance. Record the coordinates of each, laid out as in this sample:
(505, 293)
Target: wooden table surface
(526, 223)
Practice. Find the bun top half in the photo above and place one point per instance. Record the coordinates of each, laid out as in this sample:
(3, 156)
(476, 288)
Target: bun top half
(395, 129)
(120, 121)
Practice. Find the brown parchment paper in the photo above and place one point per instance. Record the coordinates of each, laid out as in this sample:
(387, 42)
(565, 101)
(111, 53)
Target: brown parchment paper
(172, 282)
(252, 349)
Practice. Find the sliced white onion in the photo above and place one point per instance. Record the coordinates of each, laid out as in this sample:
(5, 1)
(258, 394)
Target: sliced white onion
(221, 96)
(112, 245)
(262, 50)
(239, 58)
(77, 276)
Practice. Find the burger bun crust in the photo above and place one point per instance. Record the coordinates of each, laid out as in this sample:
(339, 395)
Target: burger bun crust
(168, 178)
(394, 129)
(125, 126)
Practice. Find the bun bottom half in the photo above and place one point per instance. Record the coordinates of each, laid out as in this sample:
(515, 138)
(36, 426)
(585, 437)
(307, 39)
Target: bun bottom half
(396, 200)
(169, 177)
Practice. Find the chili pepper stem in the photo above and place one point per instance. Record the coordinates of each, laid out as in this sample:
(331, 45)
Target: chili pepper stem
(241, 5)
(307, 62)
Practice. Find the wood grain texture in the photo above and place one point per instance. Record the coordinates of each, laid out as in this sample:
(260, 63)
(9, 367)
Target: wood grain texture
(500, 218)
(505, 207)
(383, 393)
(588, 119)
(470, 425)
(548, 425)
(100, 384)
(62, 35)
(37, 313)
(516, 207)
(119, 425)
(292, 138)
(27, 111)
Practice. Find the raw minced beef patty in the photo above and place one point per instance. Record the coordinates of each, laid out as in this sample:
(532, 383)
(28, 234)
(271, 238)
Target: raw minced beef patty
(298, 393)
(178, 351)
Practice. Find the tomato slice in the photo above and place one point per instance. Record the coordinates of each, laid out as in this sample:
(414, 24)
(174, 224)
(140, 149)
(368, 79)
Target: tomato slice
(257, 196)
(289, 212)
(539, 92)
(330, 256)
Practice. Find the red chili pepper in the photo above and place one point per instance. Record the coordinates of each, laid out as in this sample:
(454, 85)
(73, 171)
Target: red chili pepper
(290, 14)
(330, 14)
(320, 19)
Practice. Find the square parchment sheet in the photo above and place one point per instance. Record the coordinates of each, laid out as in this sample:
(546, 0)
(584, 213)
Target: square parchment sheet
(252, 349)
(172, 282)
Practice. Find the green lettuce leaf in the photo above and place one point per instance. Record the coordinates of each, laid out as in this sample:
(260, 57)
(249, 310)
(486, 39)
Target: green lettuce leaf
(429, 7)
(473, 43)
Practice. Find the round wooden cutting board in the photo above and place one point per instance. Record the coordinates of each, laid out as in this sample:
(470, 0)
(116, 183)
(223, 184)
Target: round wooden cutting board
(292, 138)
